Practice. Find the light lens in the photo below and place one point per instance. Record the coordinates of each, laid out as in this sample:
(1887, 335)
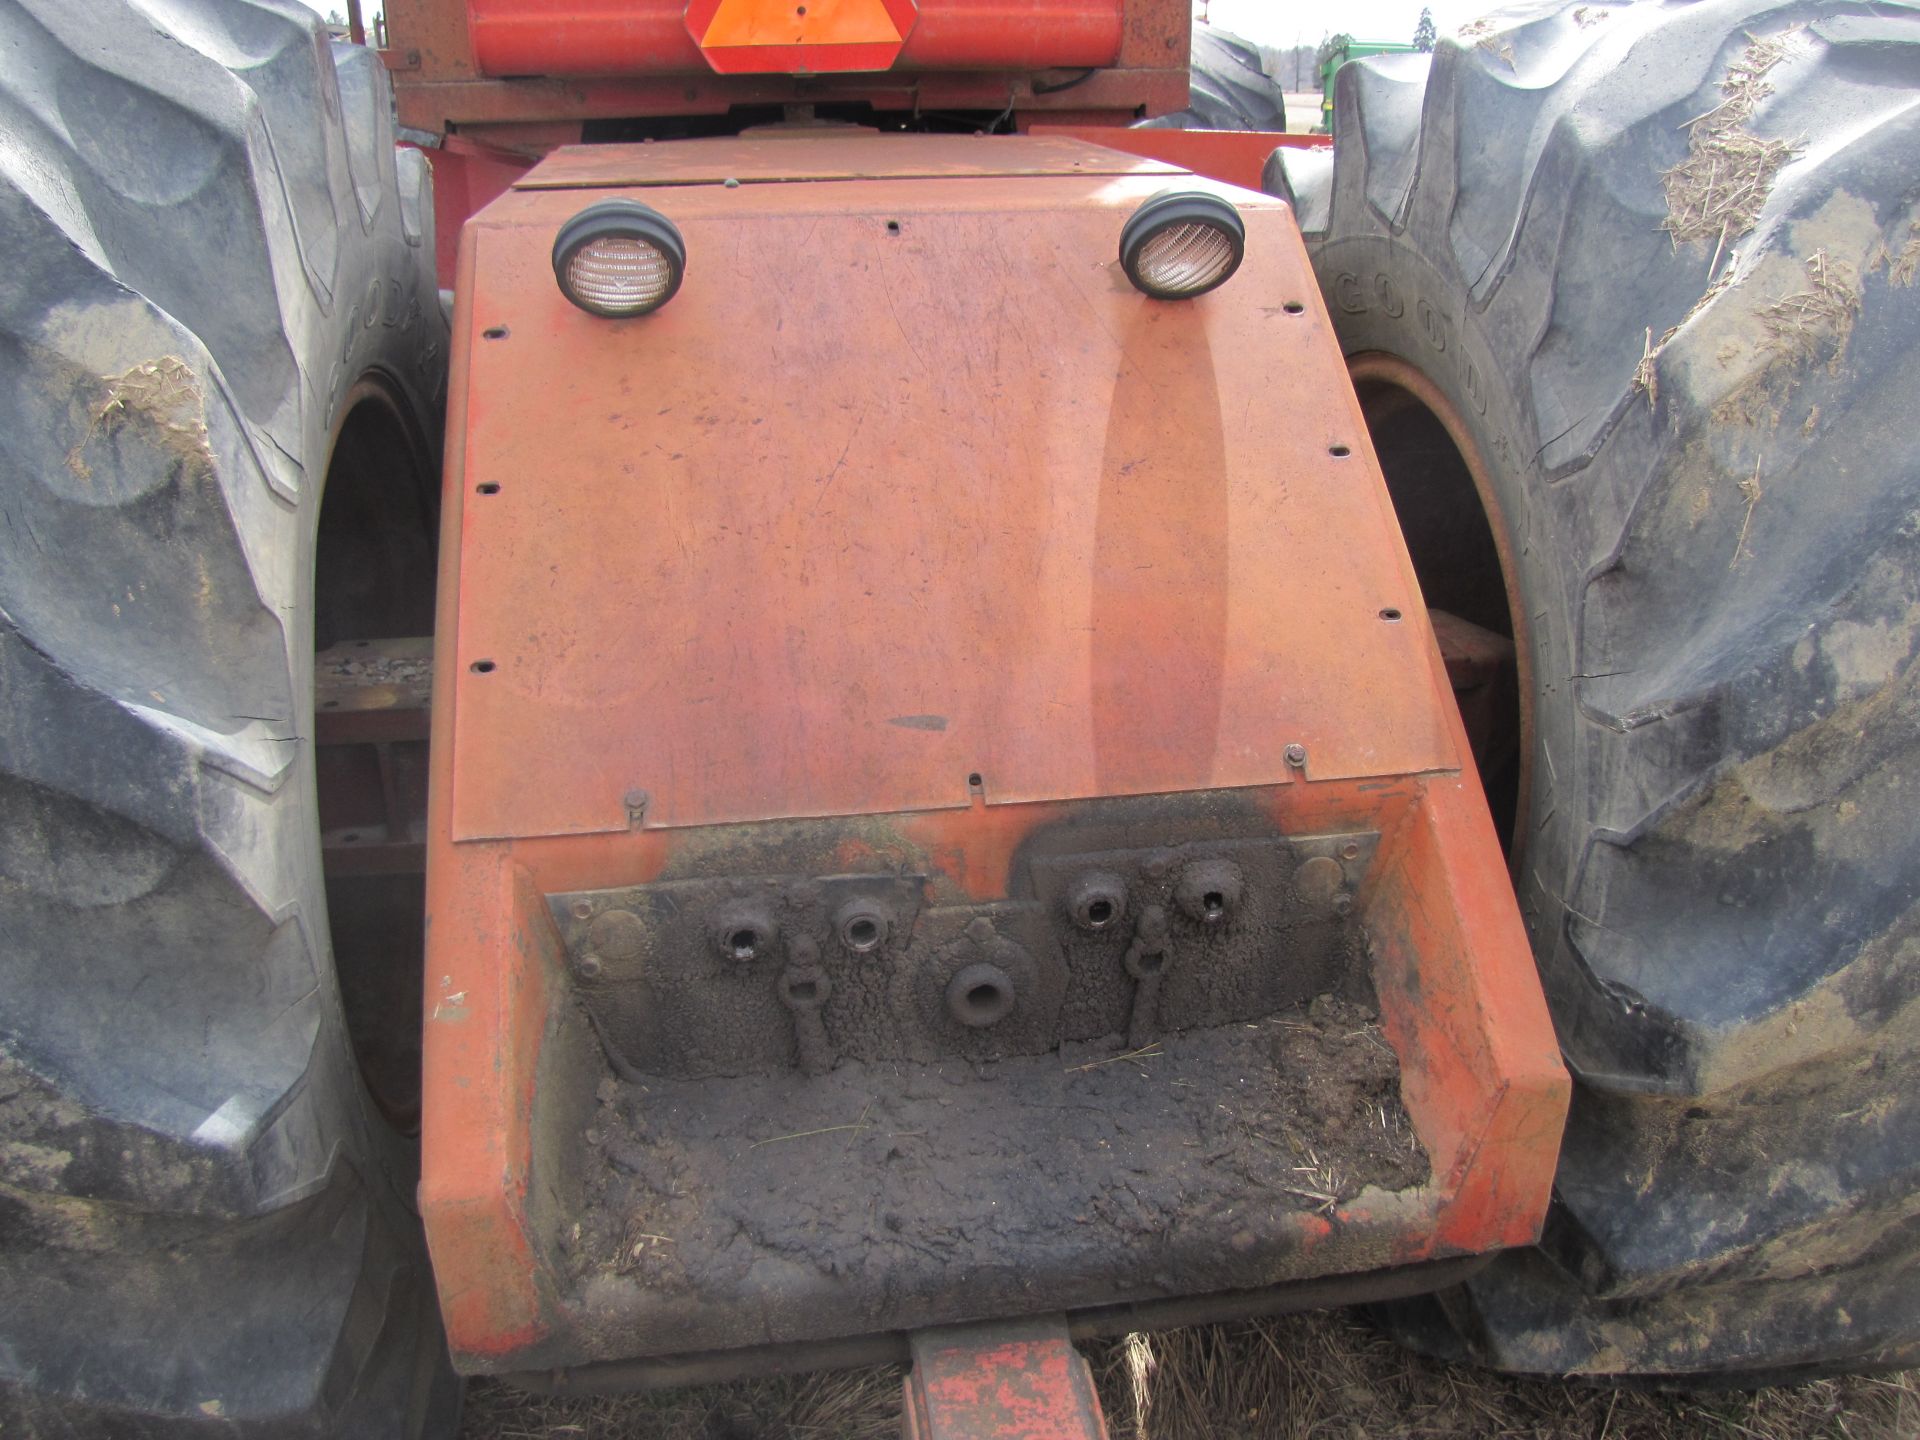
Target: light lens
(618, 275)
(1186, 259)
(1182, 243)
(618, 259)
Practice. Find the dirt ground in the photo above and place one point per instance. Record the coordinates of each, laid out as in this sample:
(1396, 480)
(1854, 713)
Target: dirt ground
(1300, 1377)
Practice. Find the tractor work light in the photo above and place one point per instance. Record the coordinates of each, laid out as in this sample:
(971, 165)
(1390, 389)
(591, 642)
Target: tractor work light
(619, 258)
(1182, 243)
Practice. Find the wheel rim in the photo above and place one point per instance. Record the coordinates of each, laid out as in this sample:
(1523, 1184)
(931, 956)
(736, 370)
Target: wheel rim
(1402, 405)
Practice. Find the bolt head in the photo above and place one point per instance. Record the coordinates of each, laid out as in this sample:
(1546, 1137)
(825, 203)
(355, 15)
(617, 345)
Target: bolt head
(1297, 756)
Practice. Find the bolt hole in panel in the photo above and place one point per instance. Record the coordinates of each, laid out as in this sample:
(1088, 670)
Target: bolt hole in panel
(947, 832)
(878, 514)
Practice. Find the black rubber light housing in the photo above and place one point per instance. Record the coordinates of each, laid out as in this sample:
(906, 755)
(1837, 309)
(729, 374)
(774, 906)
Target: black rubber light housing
(619, 258)
(1182, 243)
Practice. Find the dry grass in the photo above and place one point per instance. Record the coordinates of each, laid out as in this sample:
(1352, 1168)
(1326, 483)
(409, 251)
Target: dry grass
(163, 392)
(1299, 1377)
(832, 1405)
(1815, 320)
(1750, 492)
(1907, 264)
(1486, 37)
(1904, 266)
(1325, 1377)
(1800, 326)
(1646, 376)
(1718, 190)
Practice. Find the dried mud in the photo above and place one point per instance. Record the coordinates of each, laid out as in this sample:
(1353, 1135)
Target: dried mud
(375, 674)
(722, 1211)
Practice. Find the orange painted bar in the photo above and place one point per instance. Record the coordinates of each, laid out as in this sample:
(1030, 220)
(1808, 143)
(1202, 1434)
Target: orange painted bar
(634, 37)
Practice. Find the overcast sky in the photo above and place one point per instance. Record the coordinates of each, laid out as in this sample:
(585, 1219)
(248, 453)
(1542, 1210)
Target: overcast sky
(368, 8)
(1274, 22)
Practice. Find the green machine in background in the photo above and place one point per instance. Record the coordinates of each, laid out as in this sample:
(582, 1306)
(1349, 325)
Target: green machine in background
(1337, 52)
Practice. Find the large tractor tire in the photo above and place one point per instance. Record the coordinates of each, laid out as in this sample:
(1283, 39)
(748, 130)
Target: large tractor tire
(1646, 280)
(217, 266)
(1228, 88)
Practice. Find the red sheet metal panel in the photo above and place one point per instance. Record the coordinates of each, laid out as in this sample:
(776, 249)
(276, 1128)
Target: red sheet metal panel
(907, 484)
(629, 37)
(878, 506)
(783, 157)
(1460, 1005)
(466, 176)
(582, 60)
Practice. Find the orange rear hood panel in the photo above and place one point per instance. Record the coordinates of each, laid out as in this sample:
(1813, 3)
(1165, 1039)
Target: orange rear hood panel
(910, 571)
(908, 485)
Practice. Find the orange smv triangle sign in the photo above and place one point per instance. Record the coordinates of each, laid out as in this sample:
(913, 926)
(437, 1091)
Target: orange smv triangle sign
(800, 36)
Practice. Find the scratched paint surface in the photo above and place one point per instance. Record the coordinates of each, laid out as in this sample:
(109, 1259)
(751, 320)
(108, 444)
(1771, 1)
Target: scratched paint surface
(906, 486)
(1022, 1389)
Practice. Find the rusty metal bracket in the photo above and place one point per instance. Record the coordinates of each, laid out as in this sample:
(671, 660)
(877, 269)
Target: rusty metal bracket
(1018, 1380)
(371, 709)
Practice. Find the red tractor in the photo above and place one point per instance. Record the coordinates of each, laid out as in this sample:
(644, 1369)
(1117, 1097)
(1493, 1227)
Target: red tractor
(918, 719)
